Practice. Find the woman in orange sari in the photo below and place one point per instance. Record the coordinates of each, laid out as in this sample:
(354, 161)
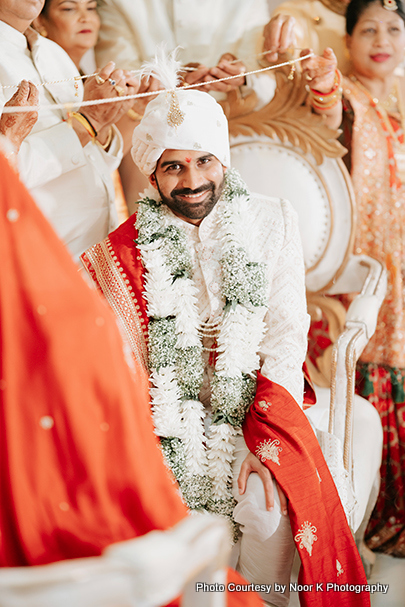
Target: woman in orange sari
(372, 131)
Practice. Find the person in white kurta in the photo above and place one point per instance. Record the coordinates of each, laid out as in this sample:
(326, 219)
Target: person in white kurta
(204, 29)
(71, 184)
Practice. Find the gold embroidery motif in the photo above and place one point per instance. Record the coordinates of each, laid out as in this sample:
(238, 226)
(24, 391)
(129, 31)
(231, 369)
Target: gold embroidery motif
(197, 146)
(306, 536)
(268, 449)
(339, 568)
(264, 404)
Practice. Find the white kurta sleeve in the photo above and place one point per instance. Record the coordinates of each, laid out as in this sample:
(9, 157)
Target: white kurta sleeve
(284, 347)
(50, 153)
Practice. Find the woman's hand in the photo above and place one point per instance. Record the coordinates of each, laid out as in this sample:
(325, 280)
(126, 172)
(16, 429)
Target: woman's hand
(108, 83)
(17, 126)
(252, 464)
(278, 36)
(320, 71)
(147, 85)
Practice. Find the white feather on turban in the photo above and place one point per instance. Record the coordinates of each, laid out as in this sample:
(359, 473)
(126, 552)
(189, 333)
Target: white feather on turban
(183, 120)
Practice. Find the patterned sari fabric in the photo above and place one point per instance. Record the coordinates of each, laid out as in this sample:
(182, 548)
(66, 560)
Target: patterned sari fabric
(380, 198)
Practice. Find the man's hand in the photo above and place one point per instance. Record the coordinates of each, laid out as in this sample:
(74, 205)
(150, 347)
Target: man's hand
(252, 464)
(278, 36)
(109, 83)
(196, 75)
(17, 126)
(227, 66)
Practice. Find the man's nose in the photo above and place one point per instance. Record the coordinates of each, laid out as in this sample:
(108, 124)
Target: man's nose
(192, 178)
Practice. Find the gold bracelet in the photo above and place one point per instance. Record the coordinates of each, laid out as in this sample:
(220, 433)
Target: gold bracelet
(109, 139)
(134, 115)
(85, 122)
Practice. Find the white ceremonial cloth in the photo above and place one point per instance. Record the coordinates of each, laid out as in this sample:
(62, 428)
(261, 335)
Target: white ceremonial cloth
(266, 549)
(72, 185)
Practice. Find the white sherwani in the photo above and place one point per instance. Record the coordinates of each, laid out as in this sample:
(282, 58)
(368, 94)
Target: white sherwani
(266, 549)
(72, 185)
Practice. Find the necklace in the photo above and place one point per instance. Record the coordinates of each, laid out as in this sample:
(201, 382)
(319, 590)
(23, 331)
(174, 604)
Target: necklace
(201, 464)
(391, 106)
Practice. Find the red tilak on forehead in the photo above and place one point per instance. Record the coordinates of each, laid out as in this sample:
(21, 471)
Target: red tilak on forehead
(188, 159)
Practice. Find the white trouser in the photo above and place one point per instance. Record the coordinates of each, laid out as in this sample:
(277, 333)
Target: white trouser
(266, 546)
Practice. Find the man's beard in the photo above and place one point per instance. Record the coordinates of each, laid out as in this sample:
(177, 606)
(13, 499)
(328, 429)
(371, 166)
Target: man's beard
(191, 210)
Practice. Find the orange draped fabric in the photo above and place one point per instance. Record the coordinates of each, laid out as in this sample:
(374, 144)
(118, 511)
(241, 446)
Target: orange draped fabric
(79, 465)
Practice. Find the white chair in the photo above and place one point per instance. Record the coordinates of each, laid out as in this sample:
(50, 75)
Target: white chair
(284, 150)
(148, 571)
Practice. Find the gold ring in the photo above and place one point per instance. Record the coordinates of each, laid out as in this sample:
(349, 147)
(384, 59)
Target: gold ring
(99, 79)
(121, 91)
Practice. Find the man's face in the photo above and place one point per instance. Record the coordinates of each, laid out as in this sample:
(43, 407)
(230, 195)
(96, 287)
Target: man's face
(20, 13)
(189, 182)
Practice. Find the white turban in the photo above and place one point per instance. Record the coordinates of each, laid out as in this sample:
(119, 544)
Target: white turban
(201, 125)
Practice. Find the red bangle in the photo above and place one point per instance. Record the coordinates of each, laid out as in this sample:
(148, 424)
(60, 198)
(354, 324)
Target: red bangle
(336, 85)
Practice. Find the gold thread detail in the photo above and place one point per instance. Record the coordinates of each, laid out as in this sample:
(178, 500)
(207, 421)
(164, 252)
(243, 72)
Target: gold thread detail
(269, 450)
(306, 536)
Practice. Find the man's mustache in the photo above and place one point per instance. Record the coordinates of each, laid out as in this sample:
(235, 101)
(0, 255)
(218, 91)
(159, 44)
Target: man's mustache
(188, 192)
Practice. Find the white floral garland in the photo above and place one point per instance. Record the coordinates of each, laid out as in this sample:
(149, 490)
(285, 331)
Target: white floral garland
(202, 466)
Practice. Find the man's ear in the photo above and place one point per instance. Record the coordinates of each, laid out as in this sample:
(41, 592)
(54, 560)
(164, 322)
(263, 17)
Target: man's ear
(152, 181)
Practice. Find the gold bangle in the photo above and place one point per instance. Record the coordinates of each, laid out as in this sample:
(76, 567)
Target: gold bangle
(109, 139)
(323, 108)
(84, 122)
(134, 115)
(326, 101)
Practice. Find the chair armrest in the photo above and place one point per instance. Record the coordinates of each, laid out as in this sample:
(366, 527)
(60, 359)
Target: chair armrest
(370, 278)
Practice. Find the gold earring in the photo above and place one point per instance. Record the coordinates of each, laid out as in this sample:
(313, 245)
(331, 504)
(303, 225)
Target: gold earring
(43, 32)
(292, 71)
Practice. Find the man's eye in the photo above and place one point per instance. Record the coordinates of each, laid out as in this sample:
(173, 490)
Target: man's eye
(173, 167)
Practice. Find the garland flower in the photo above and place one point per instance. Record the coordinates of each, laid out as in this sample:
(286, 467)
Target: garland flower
(202, 464)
